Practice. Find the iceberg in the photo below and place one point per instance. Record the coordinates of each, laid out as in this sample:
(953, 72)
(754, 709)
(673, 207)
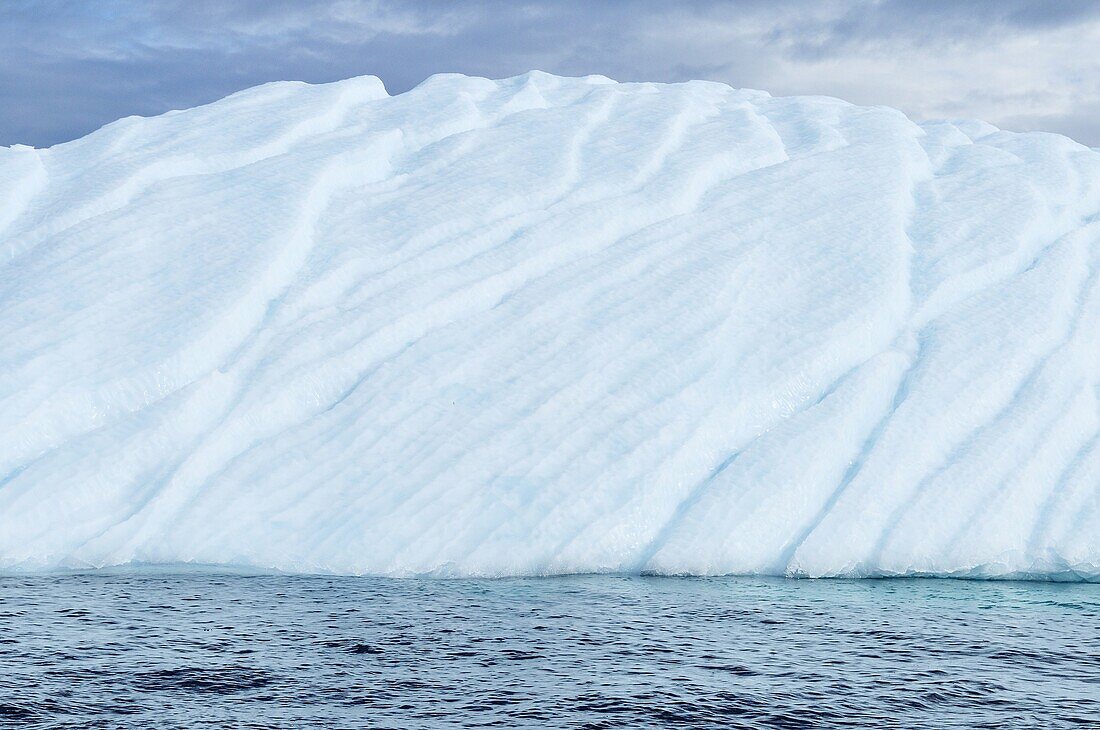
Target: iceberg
(550, 325)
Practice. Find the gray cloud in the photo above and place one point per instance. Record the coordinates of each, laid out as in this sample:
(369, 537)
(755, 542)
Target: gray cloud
(68, 67)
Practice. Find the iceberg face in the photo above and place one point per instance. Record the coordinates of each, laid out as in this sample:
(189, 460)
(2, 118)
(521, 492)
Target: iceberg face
(546, 325)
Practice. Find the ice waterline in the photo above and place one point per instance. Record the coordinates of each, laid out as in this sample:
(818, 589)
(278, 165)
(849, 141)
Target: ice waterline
(546, 325)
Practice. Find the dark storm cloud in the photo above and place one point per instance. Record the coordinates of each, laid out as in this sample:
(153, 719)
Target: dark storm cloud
(69, 67)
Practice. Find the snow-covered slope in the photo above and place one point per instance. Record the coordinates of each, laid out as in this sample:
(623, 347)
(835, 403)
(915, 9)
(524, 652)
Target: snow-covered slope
(545, 325)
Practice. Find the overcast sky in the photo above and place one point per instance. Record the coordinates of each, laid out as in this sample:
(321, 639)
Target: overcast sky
(70, 66)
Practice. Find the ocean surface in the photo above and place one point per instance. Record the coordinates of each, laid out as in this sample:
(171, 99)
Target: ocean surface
(191, 649)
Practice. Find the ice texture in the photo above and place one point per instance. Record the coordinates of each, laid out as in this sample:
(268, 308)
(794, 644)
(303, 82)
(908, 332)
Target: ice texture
(545, 325)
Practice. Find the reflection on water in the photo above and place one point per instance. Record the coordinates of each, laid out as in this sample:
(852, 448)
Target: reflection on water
(196, 649)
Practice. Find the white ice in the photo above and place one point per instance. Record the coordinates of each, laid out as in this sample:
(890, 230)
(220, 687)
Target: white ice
(546, 325)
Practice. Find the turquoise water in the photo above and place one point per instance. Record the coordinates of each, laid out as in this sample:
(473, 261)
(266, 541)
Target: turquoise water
(202, 649)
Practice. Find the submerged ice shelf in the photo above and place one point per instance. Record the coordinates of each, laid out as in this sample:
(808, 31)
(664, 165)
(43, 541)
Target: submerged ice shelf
(546, 325)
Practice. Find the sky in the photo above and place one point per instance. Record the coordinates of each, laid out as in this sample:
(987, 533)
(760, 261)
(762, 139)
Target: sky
(69, 66)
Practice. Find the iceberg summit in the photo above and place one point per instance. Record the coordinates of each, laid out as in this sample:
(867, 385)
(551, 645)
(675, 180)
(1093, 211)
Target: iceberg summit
(550, 325)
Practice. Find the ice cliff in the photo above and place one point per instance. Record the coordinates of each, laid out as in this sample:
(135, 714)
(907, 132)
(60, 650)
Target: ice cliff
(546, 325)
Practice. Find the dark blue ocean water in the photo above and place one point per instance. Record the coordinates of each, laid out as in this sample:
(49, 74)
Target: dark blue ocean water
(200, 649)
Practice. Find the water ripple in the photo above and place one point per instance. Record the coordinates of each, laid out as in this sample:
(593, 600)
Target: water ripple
(187, 649)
